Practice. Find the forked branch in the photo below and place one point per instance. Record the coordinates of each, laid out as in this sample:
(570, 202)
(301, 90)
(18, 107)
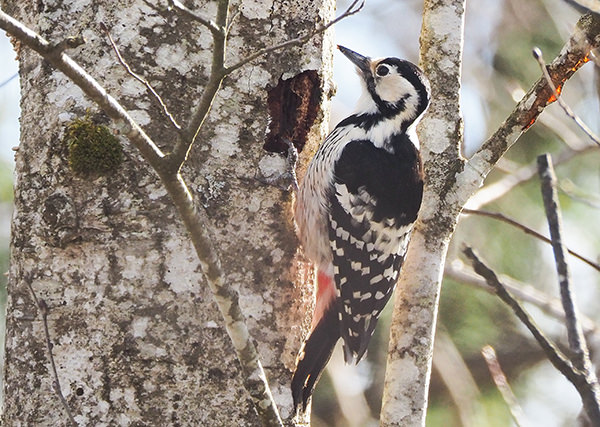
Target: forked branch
(537, 54)
(578, 378)
(220, 30)
(139, 78)
(355, 7)
(573, 56)
(226, 297)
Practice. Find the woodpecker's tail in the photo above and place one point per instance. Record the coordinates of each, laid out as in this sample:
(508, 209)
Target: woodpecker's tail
(313, 357)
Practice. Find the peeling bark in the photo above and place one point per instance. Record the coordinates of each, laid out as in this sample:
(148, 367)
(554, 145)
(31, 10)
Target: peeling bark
(136, 336)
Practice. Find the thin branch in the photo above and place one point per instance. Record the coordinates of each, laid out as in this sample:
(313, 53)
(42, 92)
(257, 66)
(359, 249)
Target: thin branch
(558, 359)
(575, 336)
(496, 190)
(355, 7)
(574, 54)
(56, 383)
(537, 54)
(7, 81)
(255, 381)
(43, 307)
(139, 78)
(455, 374)
(227, 299)
(458, 271)
(188, 135)
(211, 25)
(237, 13)
(219, 71)
(579, 194)
(578, 378)
(489, 355)
(585, 5)
(527, 230)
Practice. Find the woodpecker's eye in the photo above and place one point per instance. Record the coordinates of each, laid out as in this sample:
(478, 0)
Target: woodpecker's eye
(382, 70)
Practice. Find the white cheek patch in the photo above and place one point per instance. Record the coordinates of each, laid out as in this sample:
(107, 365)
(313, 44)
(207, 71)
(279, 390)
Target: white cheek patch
(394, 87)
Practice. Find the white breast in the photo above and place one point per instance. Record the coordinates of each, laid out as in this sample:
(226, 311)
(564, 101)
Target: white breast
(312, 205)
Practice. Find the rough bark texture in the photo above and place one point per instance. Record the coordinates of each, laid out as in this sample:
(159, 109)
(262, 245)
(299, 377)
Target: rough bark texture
(415, 308)
(136, 337)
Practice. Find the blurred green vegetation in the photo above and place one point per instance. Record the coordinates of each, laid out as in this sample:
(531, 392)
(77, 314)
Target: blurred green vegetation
(6, 183)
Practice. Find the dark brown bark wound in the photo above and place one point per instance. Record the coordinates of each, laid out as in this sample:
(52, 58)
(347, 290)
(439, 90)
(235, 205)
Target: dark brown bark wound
(293, 107)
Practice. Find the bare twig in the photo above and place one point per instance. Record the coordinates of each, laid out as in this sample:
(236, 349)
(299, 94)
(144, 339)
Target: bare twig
(457, 378)
(56, 383)
(489, 355)
(139, 78)
(211, 25)
(43, 307)
(577, 343)
(219, 71)
(217, 74)
(585, 5)
(7, 81)
(537, 54)
(527, 230)
(578, 378)
(355, 7)
(233, 18)
(458, 271)
(573, 56)
(496, 190)
(558, 359)
(578, 194)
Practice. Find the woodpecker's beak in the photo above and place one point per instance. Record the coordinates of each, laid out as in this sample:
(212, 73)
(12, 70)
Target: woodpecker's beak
(363, 63)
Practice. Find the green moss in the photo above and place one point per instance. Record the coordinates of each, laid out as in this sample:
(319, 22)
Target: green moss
(93, 149)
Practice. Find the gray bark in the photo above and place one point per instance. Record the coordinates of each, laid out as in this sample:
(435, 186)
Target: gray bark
(135, 334)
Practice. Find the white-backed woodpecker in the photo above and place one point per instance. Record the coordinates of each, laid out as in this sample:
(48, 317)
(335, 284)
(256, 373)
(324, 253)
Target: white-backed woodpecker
(355, 211)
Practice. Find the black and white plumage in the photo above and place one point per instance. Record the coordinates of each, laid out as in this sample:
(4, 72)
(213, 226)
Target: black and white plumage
(355, 211)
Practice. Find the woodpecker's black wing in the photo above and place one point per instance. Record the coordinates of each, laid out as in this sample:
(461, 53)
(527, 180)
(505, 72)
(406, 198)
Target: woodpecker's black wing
(376, 198)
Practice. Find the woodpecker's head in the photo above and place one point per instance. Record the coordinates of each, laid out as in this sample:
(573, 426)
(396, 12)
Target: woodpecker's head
(392, 88)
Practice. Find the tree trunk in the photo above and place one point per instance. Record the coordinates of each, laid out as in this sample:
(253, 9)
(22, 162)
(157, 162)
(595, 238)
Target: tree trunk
(134, 331)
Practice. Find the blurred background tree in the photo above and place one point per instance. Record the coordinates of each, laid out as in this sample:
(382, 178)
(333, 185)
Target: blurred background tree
(497, 69)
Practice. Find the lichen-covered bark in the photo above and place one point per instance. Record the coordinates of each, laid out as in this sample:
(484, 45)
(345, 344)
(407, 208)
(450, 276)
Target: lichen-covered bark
(415, 307)
(135, 333)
